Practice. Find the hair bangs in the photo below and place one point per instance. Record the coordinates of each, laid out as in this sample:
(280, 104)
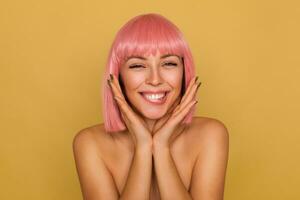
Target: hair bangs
(146, 37)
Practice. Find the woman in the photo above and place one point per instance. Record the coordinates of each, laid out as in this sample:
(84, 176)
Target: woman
(150, 145)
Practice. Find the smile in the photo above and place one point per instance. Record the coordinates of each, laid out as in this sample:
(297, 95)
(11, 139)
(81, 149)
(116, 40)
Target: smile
(155, 98)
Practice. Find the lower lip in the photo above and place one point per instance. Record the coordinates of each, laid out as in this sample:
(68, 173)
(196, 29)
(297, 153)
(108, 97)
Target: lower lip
(157, 101)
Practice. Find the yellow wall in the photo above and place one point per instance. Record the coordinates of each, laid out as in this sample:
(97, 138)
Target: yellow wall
(52, 55)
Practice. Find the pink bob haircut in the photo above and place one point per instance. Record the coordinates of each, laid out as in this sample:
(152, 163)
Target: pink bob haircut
(142, 35)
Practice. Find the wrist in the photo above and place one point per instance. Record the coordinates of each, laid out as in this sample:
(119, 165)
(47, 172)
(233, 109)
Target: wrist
(143, 148)
(160, 148)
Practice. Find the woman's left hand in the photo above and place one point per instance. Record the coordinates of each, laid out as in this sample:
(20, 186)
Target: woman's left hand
(165, 135)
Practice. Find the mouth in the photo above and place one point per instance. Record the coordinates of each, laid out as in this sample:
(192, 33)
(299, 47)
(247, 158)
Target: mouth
(155, 98)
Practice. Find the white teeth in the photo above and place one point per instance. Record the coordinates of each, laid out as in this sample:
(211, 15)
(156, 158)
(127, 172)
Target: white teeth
(154, 96)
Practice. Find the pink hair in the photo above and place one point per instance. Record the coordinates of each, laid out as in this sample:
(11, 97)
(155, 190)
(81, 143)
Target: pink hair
(142, 35)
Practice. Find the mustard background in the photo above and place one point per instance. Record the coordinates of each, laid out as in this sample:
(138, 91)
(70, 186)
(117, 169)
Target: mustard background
(52, 55)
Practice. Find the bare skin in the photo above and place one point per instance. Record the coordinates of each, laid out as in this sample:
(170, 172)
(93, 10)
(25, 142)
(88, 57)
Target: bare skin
(117, 152)
(157, 157)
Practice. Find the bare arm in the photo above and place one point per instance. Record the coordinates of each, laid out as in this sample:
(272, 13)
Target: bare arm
(95, 179)
(139, 178)
(208, 179)
(169, 181)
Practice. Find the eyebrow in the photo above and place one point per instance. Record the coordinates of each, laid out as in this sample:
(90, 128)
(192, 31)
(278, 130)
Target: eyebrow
(143, 58)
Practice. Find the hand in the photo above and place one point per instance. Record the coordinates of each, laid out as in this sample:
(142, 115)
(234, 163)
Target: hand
(165, 135)
(136, 125)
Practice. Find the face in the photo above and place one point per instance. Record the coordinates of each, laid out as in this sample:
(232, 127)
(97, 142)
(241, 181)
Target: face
(152, 84)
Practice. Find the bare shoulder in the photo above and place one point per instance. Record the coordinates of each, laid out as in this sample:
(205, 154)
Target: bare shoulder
(94, 138)
(92, 134)
(89, 145)
(211, 139)
(208, 126)
(205, 131)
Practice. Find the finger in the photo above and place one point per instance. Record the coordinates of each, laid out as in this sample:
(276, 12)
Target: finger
(174, 106)
(125, 118)
(176, 109)
(199, 84)
(124, 107)
(176, 134)
(115, 81)
(115, 90)
(128, 125)
(192, 82)
(195, 93)
(191, 95)
(127, 111)
(125, 114)
(119, 97)
(179, 116)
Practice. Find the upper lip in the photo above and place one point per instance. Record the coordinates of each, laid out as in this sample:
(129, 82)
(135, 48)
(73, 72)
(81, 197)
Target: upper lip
(154, 92)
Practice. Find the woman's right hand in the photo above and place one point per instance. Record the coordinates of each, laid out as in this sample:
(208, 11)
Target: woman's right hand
(136, 126)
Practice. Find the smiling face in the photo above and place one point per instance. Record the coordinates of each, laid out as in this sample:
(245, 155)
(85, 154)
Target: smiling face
(152, 83)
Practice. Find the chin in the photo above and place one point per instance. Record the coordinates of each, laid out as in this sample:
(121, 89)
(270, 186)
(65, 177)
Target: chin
(152, 113)
(153, 116)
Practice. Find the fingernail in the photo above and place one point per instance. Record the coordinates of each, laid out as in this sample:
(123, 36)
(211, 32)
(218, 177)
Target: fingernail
(196, 102)
(111, 77)
(199, 85)
(196, 79)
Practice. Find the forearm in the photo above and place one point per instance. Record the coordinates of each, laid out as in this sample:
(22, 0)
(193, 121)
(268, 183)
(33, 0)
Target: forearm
(138, 182)
(169, 181)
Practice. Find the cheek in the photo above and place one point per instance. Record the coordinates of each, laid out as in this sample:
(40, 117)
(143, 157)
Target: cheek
(174, 79)
(132, 81)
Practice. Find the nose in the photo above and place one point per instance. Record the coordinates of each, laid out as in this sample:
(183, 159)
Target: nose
(154, 77)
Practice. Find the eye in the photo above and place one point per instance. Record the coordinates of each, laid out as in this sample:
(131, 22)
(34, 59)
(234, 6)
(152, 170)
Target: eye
(170, 64)
(135, 66)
